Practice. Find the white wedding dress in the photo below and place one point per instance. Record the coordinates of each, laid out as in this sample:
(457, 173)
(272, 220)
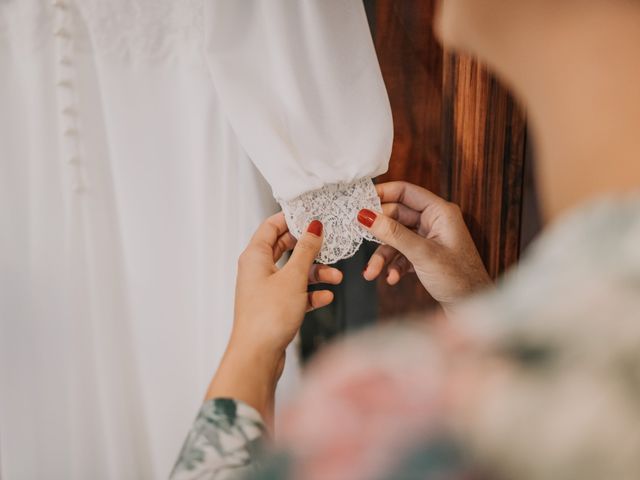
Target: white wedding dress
(128, 134)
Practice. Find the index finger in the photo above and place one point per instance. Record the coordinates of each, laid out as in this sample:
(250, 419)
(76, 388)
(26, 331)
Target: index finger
(269, 232)
(412, 196)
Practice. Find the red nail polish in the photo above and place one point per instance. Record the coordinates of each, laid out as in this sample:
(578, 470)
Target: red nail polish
(315, 228)
(366, 217)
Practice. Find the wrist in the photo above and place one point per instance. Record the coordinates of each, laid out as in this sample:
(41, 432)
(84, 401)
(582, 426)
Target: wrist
(262, 361)
(480, 284)
(250, 376)
(255, 347)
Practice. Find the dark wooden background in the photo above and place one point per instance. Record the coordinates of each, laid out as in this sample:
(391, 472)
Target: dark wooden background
(457, 133)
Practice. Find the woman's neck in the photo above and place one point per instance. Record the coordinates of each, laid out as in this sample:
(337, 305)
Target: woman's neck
(581, 85)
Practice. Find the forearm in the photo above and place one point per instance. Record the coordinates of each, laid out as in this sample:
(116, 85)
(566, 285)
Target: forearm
(248, 375)
(226, 437)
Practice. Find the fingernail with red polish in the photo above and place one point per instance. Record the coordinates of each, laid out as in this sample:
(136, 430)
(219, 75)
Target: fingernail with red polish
(315, 228)
(366, 217)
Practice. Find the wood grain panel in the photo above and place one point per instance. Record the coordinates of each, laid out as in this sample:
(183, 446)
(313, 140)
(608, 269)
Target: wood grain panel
(483, 140)
(457, 133)
(412, 65)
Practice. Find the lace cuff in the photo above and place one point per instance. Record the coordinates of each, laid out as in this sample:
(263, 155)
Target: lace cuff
(336, 206)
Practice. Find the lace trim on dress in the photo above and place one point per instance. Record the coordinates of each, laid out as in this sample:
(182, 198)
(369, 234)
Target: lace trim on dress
(133, 30)
(336, 206)
(144, 29)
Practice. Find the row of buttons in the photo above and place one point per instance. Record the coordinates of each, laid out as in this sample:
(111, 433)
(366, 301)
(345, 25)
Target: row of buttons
(67, 98)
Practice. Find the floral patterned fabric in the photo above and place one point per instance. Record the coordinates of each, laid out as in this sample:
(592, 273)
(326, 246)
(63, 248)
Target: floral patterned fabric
(547, 366)
(566, 324)
(223, 443)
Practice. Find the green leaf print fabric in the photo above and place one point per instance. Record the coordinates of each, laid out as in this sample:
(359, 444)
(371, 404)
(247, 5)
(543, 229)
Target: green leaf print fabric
(223, 443)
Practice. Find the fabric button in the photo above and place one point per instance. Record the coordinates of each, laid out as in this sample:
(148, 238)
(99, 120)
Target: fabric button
(62, 33)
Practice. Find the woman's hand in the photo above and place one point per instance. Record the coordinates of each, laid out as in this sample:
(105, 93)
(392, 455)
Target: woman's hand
(270, 302)
(269, 308)
(427, 235)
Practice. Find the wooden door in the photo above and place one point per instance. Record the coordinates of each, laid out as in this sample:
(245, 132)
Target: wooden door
(457, 133)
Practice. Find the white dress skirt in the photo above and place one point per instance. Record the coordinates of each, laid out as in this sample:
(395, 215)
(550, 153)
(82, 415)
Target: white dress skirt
(128, 137)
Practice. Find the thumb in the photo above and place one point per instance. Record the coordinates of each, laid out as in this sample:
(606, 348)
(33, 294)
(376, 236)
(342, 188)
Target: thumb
(393, 233)
(306, 250)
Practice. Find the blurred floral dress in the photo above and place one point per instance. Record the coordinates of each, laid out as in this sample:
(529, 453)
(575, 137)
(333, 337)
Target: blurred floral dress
(538, 379)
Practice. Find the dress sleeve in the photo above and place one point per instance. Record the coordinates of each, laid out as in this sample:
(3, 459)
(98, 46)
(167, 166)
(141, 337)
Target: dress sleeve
(224, 442)
(300, 83)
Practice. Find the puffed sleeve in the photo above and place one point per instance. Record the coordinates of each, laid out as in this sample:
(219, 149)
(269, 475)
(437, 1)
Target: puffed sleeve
(301, 86)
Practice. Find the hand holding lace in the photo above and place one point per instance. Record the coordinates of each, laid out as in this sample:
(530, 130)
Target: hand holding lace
(427, 235)
(335, 205)
(269, 308)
